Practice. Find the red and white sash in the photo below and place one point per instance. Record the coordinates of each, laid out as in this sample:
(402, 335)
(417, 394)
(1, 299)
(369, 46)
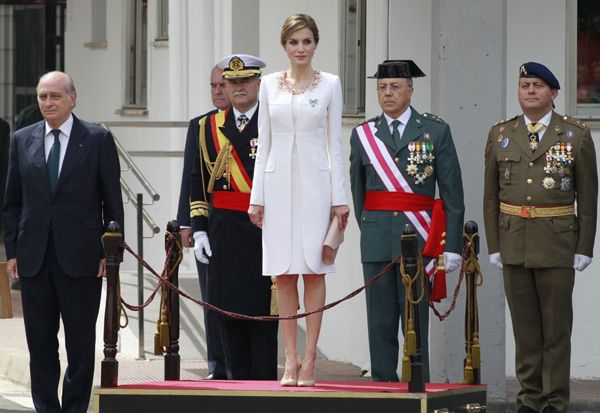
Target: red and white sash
(393, 180)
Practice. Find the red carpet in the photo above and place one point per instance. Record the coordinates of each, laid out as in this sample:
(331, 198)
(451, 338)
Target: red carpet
(340, 387)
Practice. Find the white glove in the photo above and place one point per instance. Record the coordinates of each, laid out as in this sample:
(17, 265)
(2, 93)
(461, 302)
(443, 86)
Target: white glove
(201, 247)
(496, 260)
(580, 262)
(452, 261)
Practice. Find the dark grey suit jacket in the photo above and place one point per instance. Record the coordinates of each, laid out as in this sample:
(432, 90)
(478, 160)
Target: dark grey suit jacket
(4, 148)
(87, 197)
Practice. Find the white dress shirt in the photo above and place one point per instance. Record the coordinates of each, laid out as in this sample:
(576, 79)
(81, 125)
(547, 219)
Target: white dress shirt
(248, 114)
(544, 121)
(402, 118)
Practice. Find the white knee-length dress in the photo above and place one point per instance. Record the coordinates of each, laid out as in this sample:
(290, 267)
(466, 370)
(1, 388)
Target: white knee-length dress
(299, 172)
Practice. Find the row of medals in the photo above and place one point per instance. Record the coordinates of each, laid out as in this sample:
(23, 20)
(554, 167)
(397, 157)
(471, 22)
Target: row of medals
(559, 161)
(420, 155)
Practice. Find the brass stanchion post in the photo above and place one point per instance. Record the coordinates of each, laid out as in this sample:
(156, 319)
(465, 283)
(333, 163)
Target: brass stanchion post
(410, 260)
(472, 359)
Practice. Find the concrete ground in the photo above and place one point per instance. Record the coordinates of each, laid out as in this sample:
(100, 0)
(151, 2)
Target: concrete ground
(585, 394)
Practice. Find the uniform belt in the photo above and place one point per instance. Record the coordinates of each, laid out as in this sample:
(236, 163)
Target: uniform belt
(235, 201)
(529, 212)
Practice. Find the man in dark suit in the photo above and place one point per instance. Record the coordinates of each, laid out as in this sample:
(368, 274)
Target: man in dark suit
(396, 161)
(214, 348)
(62, 190)
(4, 144)
(221, 181)
(540, 206)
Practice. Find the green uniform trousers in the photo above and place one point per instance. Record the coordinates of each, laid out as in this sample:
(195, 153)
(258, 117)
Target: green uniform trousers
(540, 303)
(385, 308)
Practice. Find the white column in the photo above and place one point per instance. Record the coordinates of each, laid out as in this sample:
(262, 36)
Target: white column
(467, 89)
(202, 37)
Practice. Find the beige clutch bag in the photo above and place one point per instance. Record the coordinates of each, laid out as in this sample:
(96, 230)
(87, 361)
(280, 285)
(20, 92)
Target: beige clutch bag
(332, 242)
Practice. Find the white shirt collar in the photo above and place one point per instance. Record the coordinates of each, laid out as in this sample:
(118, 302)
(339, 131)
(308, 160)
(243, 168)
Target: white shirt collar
(65, 128)
(545, 120)
(249, 113)
(404, 118)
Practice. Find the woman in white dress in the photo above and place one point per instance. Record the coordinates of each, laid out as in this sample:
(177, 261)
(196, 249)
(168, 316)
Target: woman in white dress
(298, 185)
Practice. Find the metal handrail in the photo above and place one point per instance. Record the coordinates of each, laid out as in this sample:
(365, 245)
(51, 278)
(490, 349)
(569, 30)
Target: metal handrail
(146, 124)
(133, 199)
(156, 154)
(134, 169)
(137, 201)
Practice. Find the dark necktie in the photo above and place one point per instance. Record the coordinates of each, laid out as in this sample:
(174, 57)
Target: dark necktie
(242, 121)
(396, 132)
(54, 160)
(534, 137)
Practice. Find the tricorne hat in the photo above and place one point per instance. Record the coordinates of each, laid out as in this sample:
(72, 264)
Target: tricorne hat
(397, 68)
(238, 66)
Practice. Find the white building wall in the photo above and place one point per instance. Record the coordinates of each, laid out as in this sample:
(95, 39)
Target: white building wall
(410, 37)
(98, 73)
(326, 14)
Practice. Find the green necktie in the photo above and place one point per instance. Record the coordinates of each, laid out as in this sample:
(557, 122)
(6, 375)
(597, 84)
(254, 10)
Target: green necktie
(54, 160)
(396, 132)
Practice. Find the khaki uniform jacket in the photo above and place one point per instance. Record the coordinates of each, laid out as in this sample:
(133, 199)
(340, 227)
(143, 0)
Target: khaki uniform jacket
(561, 171)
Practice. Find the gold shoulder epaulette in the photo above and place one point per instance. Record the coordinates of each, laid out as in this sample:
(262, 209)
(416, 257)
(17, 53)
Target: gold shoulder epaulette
(574, 122)
(500, 122)
(433, 117)
(204, 118)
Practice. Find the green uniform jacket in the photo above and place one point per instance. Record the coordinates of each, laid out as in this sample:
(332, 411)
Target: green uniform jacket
(380, 231)
(561, 171)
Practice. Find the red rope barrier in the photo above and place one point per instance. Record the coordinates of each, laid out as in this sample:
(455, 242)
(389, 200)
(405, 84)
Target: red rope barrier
(465, 253)
(160, 277)
(163, 280)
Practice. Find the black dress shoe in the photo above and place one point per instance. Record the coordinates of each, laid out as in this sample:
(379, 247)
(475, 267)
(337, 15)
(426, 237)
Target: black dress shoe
(550, 409)
(215, 376)
(526, 409)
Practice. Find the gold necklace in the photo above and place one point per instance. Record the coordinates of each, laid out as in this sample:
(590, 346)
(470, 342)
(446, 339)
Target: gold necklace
(310, 85)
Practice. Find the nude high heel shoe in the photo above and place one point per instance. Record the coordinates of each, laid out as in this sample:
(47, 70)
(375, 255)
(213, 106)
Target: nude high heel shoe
(307, 375)
(290, 374)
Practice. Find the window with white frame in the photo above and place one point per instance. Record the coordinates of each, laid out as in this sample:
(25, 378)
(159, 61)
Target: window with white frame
(98, 25)
(137, 54)
(588, 58)
(352, 58)
(162, 26)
